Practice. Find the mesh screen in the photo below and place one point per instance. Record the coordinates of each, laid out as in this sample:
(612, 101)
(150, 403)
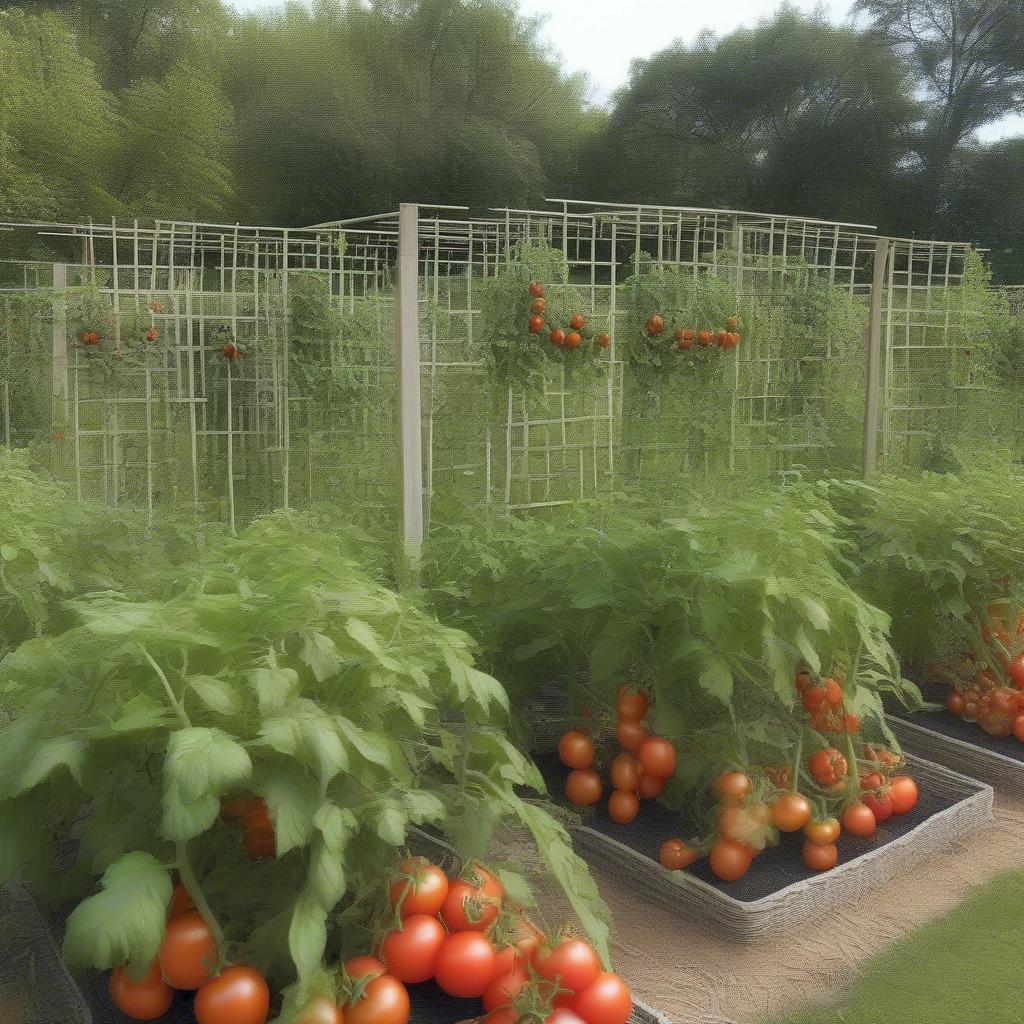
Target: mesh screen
(149, 411)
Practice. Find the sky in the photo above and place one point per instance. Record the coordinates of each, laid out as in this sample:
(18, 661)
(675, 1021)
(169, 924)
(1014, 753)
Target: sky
(602, 37)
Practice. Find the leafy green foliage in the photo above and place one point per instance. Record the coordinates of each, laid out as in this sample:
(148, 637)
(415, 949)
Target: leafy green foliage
(711, 602)
(929, 550)
(272, 664)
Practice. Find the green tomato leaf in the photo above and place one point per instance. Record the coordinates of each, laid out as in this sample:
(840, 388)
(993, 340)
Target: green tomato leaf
(716, 678)
(217, 694)
(275, 687)
(391, 824)
(321, 655)
(46, 758)
(307, 933)
(200, 766)
(124, 922)
(292, 798)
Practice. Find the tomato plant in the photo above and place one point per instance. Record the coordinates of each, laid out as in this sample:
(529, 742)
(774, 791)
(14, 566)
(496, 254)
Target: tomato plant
(267, 669)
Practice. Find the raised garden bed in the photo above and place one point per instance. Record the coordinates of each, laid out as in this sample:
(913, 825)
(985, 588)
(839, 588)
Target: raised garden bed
(90, 1001)
(778, 891)
(963, 746)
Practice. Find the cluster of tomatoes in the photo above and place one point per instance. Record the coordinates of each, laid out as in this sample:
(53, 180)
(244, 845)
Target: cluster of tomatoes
(475, 943)
(823, 703)
(686, 337)
(235, 995)
(463, 933)
(990, 692)
(639, 772)
(90, 338)
(231, 351)
(569, 337)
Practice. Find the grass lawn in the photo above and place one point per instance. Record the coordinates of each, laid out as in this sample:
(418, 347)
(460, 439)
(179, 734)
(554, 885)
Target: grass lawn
(967, 968)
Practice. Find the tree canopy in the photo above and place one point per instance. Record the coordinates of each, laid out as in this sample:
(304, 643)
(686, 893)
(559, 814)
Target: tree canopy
(332, 108)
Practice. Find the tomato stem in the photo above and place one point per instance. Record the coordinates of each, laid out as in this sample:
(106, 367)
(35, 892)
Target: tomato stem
(794, 785)
(167, 687)
(191, 883)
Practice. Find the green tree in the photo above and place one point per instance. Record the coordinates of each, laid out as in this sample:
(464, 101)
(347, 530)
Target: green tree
(343, 109)
(968, 59)
(795, 115)
(58, 133)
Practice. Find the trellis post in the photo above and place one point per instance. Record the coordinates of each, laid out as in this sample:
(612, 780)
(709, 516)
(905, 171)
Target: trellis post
(407, 362)
(58, 363)
(873, 386)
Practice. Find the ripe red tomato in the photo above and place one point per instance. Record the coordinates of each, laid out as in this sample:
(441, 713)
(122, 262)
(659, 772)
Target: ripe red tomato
(384, 1001)
(557, 336)
(1016, 671)
(536, 290)
(573, 339)
(465, 965)
(576, 750)
(583, 787)
(409, 953)
(572, 963)
(577, 322)
(851, 723)
(1018, 727)
(858, 820)
(536, 324)
(361, 966)
(814, 697)
(655, 325)
(903, 792)
(833, 692)
(626, 772)
(181, 902)
(630, 705)
(623, 807)
(704, 338)
(722, 338)
(822, 832)
(676, 855)
(730, 860)
(188, 954)
(820, 856)
(650, 787)
(152, 334)
(955, 702)
(606, 1001)
(732, 786)
(504, 988)
(880, 804)
(603, 340)
(827, 766)
(259, 845)
(563, 1015)
(422, 887)
(472, 907)
(538, 305)
(238, 995)
(790, 812)
(143, 1000)
(630, 734)
(657, 757)
(321, 1010)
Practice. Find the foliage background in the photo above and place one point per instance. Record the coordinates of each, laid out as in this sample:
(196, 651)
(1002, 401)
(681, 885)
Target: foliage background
(301, 114)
